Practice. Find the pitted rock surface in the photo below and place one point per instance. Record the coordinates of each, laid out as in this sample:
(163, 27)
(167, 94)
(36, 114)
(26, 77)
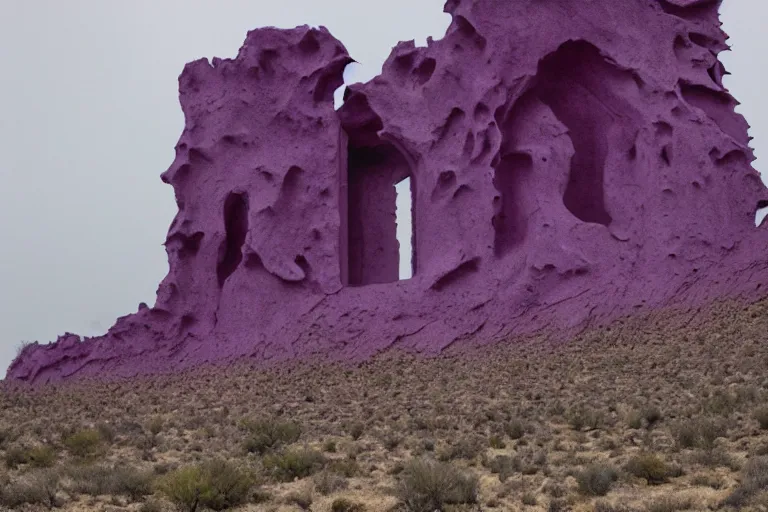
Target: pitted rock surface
(571, 163)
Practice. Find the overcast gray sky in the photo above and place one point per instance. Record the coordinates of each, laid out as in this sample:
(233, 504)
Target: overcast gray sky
(89, 118)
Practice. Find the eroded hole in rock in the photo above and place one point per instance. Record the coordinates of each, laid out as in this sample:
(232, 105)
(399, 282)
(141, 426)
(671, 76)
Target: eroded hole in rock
(509, 222)
(578, 85)
(236, 228)
(370, 252)
(373, 251)
(761, 213)
(404, 220)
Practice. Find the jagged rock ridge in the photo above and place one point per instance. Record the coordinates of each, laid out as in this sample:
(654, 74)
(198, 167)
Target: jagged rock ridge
(571, 163)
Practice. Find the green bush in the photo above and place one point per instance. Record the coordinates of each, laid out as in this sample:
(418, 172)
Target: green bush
(84, 443)
(42, 456)
(648, 466)
(184, 487)
(217, 485)
(289, 465)
(427, 485)
(596, 480)
(270, 434)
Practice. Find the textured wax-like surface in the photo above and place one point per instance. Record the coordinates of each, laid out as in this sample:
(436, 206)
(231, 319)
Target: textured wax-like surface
(571, 163)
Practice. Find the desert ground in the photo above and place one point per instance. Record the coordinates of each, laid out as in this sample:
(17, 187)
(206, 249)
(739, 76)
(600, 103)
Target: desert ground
(660, 413)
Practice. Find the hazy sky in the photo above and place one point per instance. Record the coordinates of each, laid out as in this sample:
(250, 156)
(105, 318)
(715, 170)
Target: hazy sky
(89, 119)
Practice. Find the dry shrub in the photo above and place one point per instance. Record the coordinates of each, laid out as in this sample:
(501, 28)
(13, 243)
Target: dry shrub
(597, 479)
(327, 483)
(216, 484)
(504, 466)
(356, 430)
(754, 481)
(35, 488)
(712, 481)
(582, 416)
(302, 498)
(761, 415)
(270, 434)
(699, 433)
(289, 465)
(16, 456)
(102, 480)
(514, 429)
(496, 442)
(465, 448)
(346, 467)
(345, 505)
(427, 485)
(634, 419)
(671, 504)
(648, 466)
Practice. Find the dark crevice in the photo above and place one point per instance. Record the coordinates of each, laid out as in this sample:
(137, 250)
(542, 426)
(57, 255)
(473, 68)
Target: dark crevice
(304, 265)
(425, 70)
(466, 29)
(509, 222)
(188, 246)
(719, 106)
(446, 183)
(703, 11)
(576, 83)
(309, 43)
(236, 229)
(666, 154)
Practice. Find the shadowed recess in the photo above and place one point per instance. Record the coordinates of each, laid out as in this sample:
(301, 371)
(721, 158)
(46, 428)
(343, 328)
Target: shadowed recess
(575, 82)
(236, 227)
(509, 223)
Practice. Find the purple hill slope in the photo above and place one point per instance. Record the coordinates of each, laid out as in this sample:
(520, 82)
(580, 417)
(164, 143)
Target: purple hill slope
(572, 163)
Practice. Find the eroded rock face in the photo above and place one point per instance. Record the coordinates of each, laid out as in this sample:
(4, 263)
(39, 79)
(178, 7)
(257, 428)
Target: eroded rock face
(571, 163)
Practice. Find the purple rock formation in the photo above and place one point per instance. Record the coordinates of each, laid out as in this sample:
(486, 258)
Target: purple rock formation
(572, 162)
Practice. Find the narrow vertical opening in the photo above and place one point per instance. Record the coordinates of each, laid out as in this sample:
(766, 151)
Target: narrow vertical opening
(377, 202)
(404, 219)
(379, 215)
